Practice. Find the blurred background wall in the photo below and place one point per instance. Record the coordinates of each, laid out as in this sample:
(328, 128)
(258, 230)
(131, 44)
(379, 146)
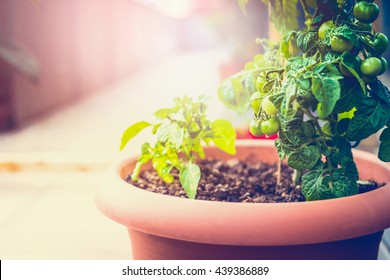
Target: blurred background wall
(53, 52)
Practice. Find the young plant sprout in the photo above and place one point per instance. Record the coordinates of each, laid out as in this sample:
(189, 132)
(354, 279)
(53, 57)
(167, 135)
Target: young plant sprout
(180, 133)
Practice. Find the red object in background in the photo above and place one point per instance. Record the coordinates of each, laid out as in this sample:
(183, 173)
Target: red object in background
(243, 133)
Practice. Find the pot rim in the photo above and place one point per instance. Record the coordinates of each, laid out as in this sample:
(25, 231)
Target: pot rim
(246, 224)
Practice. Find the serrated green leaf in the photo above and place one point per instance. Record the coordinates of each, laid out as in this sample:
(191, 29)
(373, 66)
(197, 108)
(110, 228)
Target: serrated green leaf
(306, 41)
(350, 94)
(284, 15)
(292, 130)
(384, 147)
(344, 156)
(132, 131)
(224, 136)
(342, 186)
(172, 133)
(189, 179)
(371, 115)
(315, 186)
(305, 158)
(308, 128)
(352, 172)
(327, 92)
(281, 149)
(381, 91)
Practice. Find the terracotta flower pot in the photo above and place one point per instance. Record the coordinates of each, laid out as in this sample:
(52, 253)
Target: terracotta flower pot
(165, 227)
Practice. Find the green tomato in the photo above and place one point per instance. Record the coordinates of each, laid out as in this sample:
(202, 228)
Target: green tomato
(371, 67)
(271, 126)
(268, 106)
(366, 12)
(325, 27)
(364, 26)
(384, 65)
(380, 43)
(255, 128)
(340, 44)
(255, 102)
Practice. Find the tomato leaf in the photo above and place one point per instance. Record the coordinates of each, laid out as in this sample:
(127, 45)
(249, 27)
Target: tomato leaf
(350, 94)
(284, 14)
(371, 115)
(381, 91)
(189, 179)
(315, 186)
(306, 41)
(327, 92)
(305, 158)
(342, 186)
(172, 133)
(384, 147)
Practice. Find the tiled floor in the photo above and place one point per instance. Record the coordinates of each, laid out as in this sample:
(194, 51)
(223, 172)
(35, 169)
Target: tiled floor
(50, 168)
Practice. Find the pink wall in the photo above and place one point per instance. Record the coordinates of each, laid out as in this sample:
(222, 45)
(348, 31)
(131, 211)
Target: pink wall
(82, 46)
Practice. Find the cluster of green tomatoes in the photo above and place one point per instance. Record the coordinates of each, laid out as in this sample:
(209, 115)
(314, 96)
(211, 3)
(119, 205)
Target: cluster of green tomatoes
(266, 121)
(372, 64)
(369, 63)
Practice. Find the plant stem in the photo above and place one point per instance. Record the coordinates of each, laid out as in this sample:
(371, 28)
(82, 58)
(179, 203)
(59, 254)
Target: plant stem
(279, 174)
(296, 177)
(305, 8)
(316, 124)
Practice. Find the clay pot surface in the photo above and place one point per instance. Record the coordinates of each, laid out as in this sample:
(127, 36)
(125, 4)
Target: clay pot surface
(266, 226)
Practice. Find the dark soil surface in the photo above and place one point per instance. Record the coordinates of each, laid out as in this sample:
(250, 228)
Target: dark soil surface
(234, 181)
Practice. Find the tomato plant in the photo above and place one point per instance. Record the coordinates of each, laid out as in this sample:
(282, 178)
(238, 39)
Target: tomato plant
(320, 92)
(180, 130)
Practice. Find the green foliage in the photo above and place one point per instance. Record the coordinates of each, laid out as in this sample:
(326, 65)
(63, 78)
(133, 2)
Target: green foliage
(180, 131)
(326, 94)
(132, 131)
(189, 179)
(384, 147)
(235, 91)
